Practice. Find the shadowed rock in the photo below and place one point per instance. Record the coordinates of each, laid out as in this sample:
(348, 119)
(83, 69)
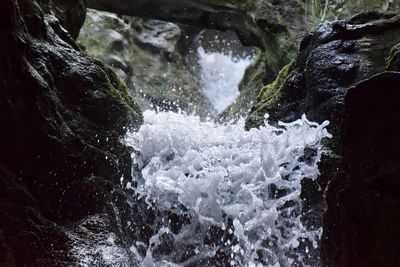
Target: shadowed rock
(222, 15)
(255, 23)
(62, 116)
(361, 224)
(340, 75)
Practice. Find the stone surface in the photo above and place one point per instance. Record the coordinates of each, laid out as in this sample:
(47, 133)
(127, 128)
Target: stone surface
(63, 114)
(331, 59)
(272, 26)
(361, 223)
(340, 75)
(393, 59)
(146, 54)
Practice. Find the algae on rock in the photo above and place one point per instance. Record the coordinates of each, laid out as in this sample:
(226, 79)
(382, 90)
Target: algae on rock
(269, 98)
(393, 59)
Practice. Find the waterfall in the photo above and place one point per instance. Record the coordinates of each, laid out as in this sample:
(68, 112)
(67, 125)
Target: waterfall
(203, 193)
(221, 74)
(223, 195)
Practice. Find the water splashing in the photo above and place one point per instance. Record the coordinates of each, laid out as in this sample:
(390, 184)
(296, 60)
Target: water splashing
(225, 196)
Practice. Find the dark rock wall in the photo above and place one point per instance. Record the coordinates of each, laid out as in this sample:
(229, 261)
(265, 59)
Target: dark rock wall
(62, 115)
(361, 223)
(340, 74)
(331, 59)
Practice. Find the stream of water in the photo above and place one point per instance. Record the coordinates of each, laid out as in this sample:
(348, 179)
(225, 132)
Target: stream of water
(234, 194)
(213, 194)
(221, 74)
(224, 196)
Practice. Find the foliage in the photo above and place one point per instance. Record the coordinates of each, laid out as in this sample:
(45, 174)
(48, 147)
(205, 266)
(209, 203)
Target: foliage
(317, 11)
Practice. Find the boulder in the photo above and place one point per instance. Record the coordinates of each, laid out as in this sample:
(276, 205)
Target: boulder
(340, 74)
(331, 59)
(63, 115)
(361, 223)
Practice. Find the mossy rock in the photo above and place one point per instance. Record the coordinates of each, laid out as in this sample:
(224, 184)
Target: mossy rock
(269, 98)
(117, 89)
(61, 150)
(393, 59)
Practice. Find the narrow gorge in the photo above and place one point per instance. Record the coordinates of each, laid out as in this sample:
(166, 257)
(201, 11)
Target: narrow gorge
(199, 133)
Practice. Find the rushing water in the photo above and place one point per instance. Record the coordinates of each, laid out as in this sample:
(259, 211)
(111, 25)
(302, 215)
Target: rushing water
(225, 196)
(209, 194)
(221, 74)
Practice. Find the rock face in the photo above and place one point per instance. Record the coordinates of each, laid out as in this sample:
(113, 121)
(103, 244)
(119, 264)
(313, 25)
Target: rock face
(275, 26)
(340, 75)
(331, 59)
(361, 224)
(257, 23)
(146, 54)
(63, 114)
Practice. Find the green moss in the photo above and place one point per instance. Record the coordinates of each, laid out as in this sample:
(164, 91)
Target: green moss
(118, 89)
(272, 92)
(269, 97)
(394, 52)
(286, 45)
(255, 72)
(279, 47)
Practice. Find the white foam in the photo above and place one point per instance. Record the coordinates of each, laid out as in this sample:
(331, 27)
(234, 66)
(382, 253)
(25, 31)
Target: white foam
(225, 177)
(220, 76)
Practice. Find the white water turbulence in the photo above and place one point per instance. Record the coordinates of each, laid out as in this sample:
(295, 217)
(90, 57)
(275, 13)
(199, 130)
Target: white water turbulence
(223, 196)
(220, 76)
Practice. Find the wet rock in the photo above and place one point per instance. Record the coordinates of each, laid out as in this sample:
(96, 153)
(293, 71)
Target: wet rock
(71, 14)
(26, 237)
(146, 54)
(339, 75)
(333, 58)
(63, 115)
(393, 59)
(95, 244)
(361, 220)
(273, 26)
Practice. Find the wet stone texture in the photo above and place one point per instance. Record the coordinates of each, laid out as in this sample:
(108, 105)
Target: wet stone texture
(62, 116)
(340, 75)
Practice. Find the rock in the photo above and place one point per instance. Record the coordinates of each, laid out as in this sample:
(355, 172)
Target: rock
(361, 223)
(222, 15)
(333, 58)
(71, 14)
(393, 59)
(339, 74)
(256, 23)
(157, 35)
(146, 53)
(64, 114)
(275, 26)
(25, 235)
